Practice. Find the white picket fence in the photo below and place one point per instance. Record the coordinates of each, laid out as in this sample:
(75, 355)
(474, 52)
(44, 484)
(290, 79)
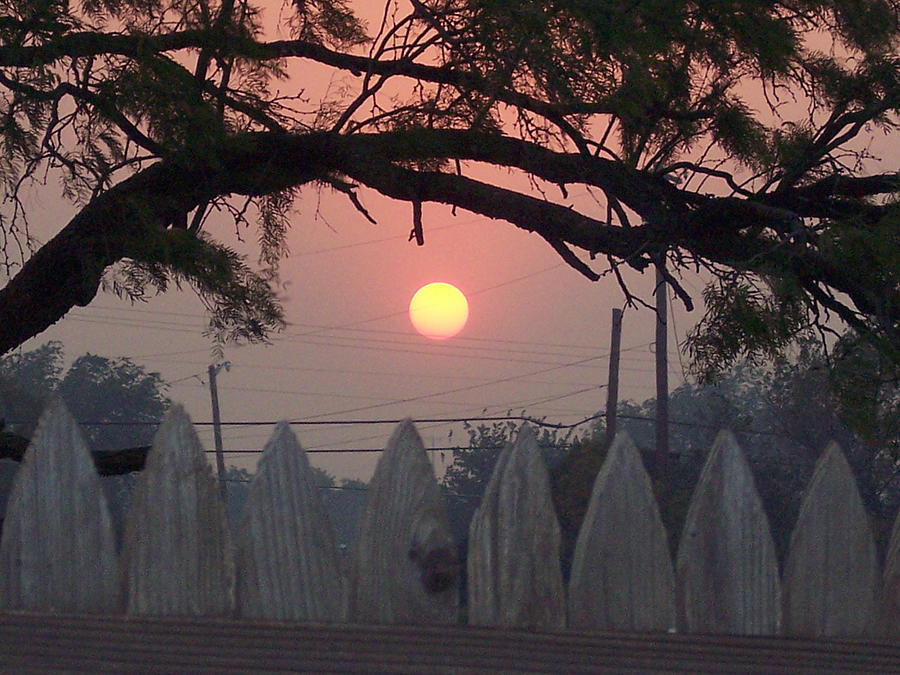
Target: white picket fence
(58, 555)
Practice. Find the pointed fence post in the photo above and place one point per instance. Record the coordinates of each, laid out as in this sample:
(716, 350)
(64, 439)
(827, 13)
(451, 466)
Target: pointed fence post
(405, 564)
(831, 573)
(514, 576)
(58, 549)
(287, 562)
(622, 576)
(890, 596)
(176, 554)
(726, 569)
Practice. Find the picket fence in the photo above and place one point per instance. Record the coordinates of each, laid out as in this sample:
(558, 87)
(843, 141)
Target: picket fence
(177, 558)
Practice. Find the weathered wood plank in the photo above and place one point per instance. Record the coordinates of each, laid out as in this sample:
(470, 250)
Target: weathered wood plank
(726, 570)
(405, 565)
(176, 554)
(58, 549)
(287, 562)
(890, 596)
(622, 577)
(514, 574)
(831, 573)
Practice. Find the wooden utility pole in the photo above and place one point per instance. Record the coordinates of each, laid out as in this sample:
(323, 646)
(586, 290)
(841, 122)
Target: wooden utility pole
(217, 427)
(662, 370)
(612, 390)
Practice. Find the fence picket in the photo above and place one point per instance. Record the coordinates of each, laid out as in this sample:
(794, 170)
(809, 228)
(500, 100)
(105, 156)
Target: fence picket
(622, 574)
(514, 574)
(405, 566)
(286, 558)
(176, 554)
(890, 596)
(58, 550)
(831, 573)
(726, 569)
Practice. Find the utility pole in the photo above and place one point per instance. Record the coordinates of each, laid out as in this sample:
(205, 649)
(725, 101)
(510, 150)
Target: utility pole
(662, 370)
(612, 390)
(217, 426)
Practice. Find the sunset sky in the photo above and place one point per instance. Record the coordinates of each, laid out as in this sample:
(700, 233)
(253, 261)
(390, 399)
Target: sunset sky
(537, 337)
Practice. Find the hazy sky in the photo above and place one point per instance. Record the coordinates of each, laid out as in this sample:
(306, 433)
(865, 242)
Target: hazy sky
(537, 338)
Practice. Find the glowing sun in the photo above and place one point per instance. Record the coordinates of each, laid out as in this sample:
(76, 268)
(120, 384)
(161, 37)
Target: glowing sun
(438, 310)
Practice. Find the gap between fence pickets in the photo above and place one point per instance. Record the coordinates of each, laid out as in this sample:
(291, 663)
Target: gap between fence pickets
(57, 552)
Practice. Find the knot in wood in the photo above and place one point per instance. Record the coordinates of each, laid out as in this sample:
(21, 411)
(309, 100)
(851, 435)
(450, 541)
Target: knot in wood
(439, 568)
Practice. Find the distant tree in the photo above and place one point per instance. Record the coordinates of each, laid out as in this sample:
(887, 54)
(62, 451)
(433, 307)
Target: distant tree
(472, 466)
(27, 380)
(36, 371)
(783, 415)
(155, 113)
(117, 402)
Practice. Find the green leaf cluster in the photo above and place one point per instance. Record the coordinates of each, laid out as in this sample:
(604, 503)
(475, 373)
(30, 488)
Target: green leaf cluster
(745, 321)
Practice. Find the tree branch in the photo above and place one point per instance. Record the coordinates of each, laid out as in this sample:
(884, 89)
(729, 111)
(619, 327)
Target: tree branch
(66, 271)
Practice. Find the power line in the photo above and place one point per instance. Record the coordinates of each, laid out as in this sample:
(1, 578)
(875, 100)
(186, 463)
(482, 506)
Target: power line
(439, 420)
(178, 327)
(344, 247)
(457, 339)
(354, 422)
(431, 424)
(404, 347)
(411, 399)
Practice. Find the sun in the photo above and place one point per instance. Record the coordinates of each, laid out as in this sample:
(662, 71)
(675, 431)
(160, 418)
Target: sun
(438, 310)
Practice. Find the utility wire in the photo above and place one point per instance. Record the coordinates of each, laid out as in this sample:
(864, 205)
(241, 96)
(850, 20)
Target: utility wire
(457, 339)
(354, 422)
(447, 420)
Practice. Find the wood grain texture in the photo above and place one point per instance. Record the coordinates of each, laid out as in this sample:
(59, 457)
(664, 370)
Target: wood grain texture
(286, 558)
(176, 554)
(890, 592)
(726, 569)
(514, 574)
(58, 549)
(40, 643)
(831, 573)
(405, 567)
(622, 577)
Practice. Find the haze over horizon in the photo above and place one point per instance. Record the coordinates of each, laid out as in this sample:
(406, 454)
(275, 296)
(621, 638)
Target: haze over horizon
(537, 337)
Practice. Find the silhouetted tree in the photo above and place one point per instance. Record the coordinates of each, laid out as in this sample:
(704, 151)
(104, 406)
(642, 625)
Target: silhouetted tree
(729, 137)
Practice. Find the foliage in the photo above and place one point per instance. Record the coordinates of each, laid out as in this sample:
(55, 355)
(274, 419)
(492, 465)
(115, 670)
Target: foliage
(36, 372)
(745, 322)
(783, 414)
(117, 402)
(27, 380)
(471, 468)
(737, 138)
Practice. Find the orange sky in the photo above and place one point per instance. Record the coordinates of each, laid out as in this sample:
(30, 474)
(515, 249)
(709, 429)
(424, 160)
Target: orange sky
(350, 351)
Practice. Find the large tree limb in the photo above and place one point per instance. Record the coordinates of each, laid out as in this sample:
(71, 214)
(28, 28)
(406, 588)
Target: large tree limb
(123, 221)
